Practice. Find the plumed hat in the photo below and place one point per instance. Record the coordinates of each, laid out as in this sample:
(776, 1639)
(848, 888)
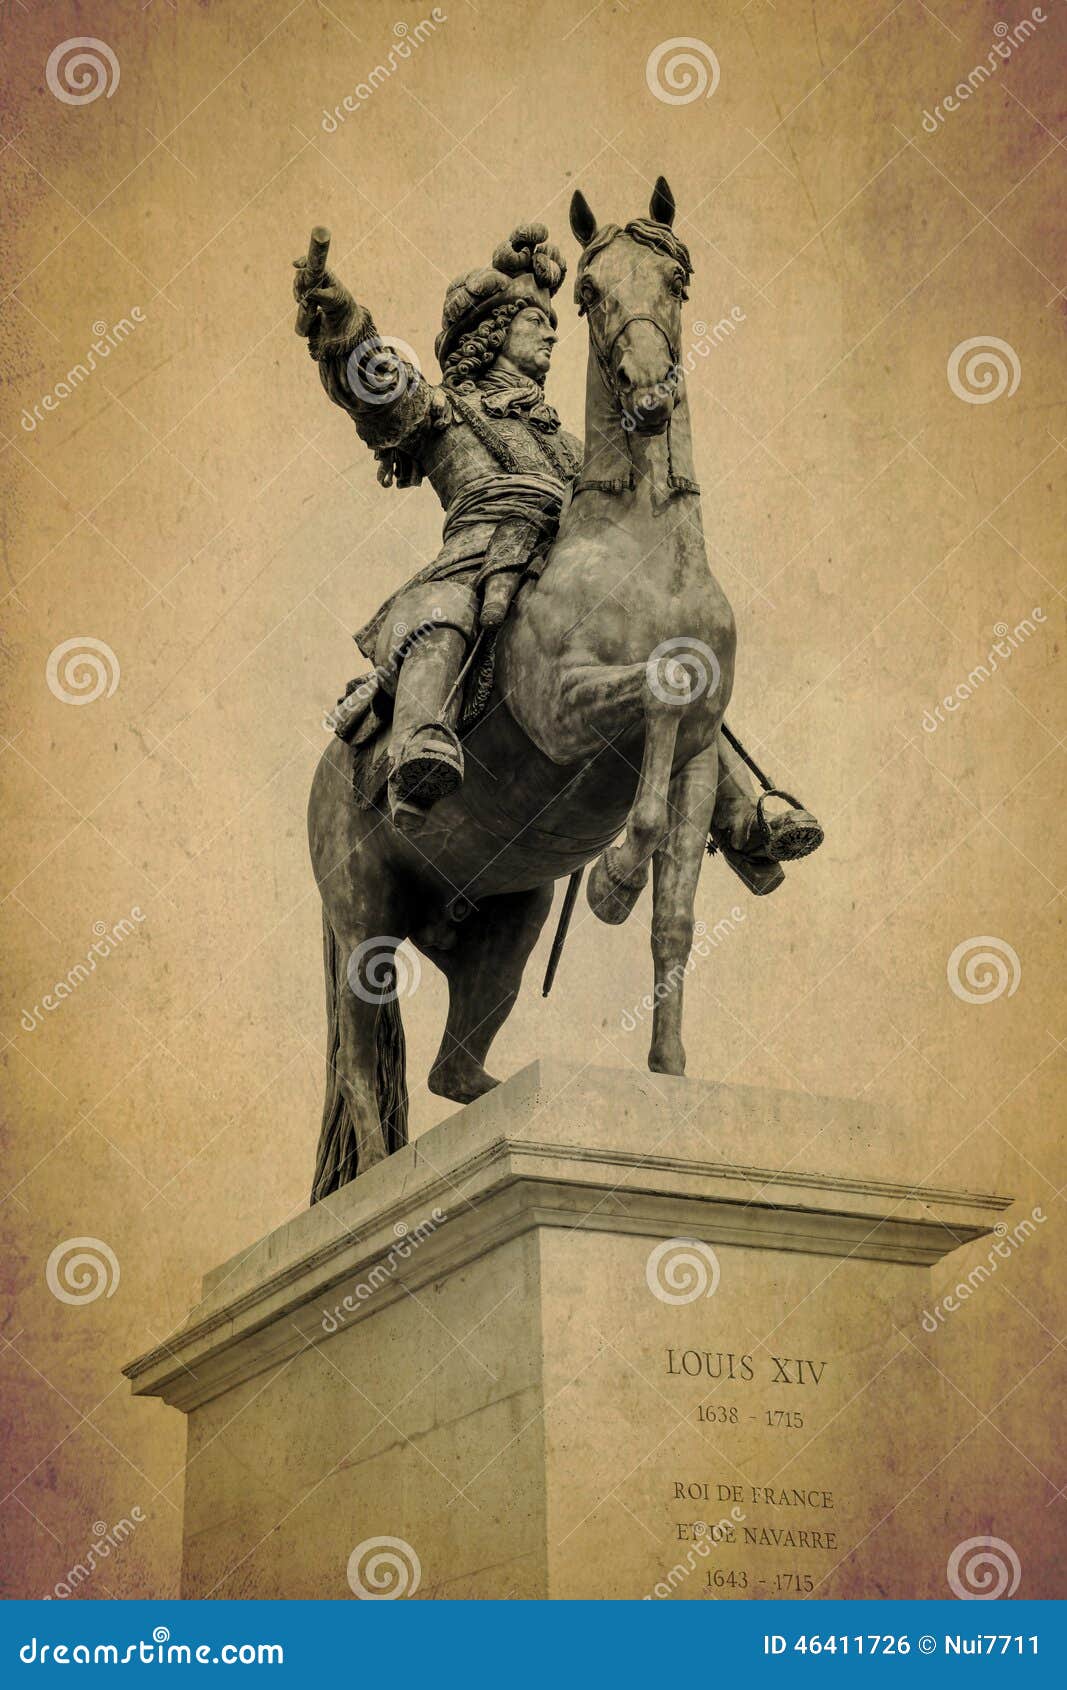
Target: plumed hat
(525, 268)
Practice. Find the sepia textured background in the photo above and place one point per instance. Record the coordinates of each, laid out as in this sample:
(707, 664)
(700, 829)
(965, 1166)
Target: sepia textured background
(198, 518)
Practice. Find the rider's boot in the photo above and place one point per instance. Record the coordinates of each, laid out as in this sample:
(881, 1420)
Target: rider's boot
(754, 838)
(427, 760)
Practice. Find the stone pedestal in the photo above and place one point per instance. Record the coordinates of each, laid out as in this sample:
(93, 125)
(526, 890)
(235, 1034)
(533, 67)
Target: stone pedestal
(499, 1352)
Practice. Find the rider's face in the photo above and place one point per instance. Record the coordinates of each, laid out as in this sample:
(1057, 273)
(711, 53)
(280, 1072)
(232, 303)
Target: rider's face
(529, 344)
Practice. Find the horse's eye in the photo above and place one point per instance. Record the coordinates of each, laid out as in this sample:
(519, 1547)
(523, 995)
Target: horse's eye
(677, 285)
(589, 293)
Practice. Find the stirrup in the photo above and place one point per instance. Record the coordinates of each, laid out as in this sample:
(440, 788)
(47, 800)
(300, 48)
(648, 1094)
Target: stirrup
(776, 839)
(787, 837)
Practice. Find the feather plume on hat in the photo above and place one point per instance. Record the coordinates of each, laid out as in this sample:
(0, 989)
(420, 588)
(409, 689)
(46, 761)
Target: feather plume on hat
(526, 268)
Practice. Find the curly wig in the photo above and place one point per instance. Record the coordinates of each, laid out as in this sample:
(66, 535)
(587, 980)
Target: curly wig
(476, 352)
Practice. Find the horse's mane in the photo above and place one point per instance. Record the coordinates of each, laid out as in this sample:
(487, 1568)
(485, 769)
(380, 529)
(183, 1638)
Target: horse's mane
(644, 230)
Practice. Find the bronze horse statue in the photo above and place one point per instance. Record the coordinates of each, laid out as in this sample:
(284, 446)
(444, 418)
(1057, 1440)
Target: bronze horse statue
(611, 679)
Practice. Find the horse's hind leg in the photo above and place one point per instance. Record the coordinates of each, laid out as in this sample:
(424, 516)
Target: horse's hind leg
(484, 970)
(675, 872)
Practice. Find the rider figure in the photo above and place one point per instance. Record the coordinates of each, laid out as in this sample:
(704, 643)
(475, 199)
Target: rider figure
(500, 463)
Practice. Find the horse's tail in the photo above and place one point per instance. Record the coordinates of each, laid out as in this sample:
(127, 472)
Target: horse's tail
(337, 1159)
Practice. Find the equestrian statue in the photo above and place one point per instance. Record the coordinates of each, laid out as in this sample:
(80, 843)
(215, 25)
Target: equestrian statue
(550, 691)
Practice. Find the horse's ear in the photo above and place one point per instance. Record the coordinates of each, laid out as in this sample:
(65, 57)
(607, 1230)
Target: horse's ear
(583, 223)
(661, 205)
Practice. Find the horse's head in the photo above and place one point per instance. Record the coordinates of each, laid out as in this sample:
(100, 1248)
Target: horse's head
(630, 284)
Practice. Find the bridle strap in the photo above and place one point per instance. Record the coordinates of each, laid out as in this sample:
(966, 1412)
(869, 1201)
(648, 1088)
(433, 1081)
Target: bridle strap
(603, 355)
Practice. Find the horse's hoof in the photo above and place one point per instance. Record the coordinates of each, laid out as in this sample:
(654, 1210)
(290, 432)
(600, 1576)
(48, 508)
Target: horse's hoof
(460, 1086)
(667, 1059)
(612, 900)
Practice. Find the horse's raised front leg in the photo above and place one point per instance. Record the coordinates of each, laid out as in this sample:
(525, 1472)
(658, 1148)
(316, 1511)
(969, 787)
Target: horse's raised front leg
(621, 874)
(675, 872)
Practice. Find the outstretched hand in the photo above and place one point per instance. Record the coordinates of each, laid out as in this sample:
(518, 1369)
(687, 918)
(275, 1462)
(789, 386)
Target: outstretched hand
(332, 305)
